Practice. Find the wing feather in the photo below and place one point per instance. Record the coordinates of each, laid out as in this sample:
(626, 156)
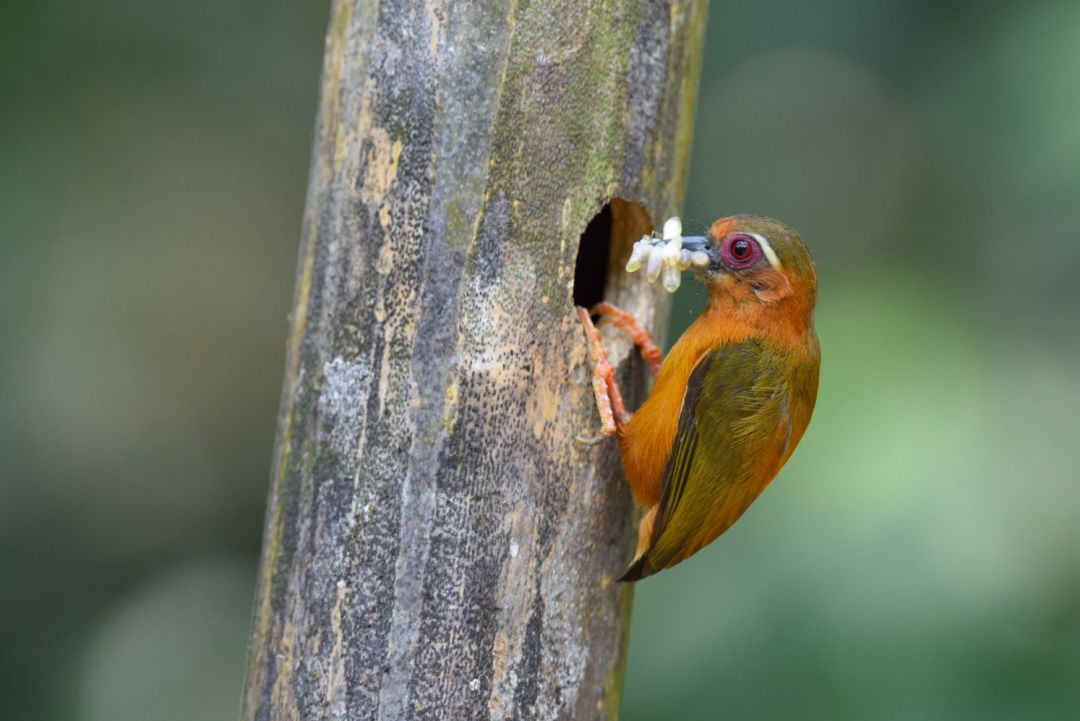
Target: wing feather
(733, 431)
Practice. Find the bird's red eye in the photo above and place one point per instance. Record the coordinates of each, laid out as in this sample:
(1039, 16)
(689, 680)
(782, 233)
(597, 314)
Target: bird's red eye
(740, 250)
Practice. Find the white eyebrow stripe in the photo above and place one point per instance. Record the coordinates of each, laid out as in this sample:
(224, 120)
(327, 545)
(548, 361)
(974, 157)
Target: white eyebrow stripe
(770, 254)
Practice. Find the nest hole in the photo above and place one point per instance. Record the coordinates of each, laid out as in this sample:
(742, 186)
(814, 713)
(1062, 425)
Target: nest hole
(604, 248)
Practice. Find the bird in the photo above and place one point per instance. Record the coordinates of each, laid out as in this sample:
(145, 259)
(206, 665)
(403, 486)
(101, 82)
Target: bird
(731, 400)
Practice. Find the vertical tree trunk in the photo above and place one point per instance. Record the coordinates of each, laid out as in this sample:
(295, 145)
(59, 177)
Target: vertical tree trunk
(437, 545)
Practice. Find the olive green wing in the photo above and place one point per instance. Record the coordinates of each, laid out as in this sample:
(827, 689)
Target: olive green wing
(734, 428)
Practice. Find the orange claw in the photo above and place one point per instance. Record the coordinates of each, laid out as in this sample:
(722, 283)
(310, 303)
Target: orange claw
(609, 401)
(630, 325)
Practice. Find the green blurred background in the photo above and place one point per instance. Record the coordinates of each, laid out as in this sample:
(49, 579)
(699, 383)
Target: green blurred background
(918, 558)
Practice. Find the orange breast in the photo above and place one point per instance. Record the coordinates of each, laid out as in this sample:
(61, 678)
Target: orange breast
(647, 444)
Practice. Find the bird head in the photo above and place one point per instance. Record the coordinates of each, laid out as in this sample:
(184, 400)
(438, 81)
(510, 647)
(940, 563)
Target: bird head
(752, 259)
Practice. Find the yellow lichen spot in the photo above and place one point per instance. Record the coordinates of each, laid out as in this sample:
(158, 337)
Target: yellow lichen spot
(281, 694)
(385, 262)
(500, 652)
(381, 167)
(341, 148)
(434, 26)
(546, 398)
(335, 686)
(566, 216)
(450, 406)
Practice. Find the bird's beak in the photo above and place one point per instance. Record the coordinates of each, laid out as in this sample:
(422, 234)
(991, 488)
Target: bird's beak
(701, 252)
(695, 242)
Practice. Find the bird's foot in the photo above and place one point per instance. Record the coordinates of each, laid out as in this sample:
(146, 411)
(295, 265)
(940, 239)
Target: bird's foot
(630, 325)
(609, 401)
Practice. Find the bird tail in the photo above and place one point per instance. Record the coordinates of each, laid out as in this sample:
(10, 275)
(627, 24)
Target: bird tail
(639, 568)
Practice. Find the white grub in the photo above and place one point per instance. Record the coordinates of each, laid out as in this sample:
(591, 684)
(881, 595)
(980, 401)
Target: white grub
(640, 253)
(673, 229)
(656, 262)
(664, 256)
(672, 277)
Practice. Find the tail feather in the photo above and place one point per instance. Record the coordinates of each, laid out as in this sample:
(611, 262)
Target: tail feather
(639, 568)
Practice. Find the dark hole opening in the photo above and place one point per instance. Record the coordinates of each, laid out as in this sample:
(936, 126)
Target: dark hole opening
(594, 249)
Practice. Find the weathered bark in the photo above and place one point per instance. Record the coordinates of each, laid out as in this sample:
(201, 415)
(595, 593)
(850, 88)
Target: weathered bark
(437, 545)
